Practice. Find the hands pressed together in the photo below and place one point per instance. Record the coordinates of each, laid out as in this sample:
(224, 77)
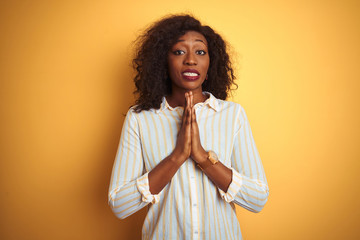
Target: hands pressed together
(188, 142)
(187, 145)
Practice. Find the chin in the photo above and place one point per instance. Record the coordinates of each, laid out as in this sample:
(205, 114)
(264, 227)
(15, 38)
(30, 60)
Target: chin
(192, 86)
(187, 85)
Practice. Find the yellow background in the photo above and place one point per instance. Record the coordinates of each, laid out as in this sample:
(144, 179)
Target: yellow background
(66, 83)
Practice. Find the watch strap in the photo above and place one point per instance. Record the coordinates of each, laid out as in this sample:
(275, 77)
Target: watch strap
(207, 163)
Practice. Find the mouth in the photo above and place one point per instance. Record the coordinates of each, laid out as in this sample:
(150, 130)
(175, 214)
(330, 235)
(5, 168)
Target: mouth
(191, 74)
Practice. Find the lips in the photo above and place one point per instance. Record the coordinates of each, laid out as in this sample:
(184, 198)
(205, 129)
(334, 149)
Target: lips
(191, 74)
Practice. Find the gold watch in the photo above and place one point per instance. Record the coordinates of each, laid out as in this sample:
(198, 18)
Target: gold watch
(212, 159)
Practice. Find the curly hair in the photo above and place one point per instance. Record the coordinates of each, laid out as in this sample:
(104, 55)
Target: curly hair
(152, 79)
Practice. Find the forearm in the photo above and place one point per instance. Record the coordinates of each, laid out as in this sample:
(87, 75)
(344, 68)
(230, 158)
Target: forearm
(220, 175)
(161, 175)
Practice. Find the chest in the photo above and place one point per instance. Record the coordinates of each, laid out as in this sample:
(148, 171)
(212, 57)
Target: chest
(158, 134)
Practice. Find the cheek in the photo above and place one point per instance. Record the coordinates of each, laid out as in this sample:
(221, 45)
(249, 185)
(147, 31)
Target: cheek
(173, 73)
(170, 67)
(206, 62)
(171, 70)
(174, 67)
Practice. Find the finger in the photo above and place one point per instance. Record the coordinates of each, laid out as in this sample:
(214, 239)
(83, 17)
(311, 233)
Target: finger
(194, 125)
(186, 102)
(193, 115)
(185, 112)
(191, 99)
(190, 105)
(188, 111)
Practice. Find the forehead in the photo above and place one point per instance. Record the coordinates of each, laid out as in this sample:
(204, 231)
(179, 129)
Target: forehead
(192, 37)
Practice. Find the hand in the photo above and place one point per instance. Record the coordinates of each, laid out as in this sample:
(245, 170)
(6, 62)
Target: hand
(198, 154)
(182, 149)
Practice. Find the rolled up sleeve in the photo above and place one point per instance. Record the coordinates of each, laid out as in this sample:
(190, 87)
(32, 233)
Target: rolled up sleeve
(144, 188)
(129, 185)
(248, 187)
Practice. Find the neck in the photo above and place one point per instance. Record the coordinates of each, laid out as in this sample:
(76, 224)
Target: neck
(177, 98)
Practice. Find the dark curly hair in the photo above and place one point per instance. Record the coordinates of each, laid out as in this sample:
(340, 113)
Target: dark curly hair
(152, 79)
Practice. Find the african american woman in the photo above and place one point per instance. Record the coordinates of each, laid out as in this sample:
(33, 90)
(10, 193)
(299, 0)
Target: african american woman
(185, 152)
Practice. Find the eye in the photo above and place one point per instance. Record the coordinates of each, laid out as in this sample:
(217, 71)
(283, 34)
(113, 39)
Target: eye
(200, 52)
(178, 52)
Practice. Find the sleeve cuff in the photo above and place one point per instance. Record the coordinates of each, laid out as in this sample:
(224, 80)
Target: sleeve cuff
(142, 184)
(233, 188)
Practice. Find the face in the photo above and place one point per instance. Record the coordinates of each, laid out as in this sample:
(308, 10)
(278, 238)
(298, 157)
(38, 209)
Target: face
(188, 62)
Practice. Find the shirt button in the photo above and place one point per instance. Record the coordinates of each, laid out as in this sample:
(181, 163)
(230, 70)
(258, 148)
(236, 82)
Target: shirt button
(194, 204)
(196, 232)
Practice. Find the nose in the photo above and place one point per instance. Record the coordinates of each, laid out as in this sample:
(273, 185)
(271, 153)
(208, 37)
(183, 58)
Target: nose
(190, 59)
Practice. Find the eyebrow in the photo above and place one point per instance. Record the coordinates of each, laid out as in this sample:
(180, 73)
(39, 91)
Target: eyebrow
(196, 40)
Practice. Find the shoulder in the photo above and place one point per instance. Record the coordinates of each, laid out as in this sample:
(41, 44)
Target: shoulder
(230, 106)
(134, 120)
(234, 110)
(133, 115)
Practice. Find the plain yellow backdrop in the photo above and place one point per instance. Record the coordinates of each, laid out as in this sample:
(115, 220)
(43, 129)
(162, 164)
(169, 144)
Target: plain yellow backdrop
(65, 83)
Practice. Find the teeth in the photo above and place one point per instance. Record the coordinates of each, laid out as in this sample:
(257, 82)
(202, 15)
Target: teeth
(190, 74)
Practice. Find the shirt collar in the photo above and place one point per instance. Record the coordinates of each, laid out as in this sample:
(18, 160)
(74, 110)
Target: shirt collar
(211, 101)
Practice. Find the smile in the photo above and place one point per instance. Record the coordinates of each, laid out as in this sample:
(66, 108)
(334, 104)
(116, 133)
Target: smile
(190, 74)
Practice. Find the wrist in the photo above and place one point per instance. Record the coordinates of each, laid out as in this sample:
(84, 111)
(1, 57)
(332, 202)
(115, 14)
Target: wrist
(201, 157)
(177, 158)
(210, 160)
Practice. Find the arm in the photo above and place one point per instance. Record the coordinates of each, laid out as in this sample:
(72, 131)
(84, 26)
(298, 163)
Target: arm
(249, 187)
(130, 189)
(245, 182)
(219, 174)
(161, 175)
(124, 195)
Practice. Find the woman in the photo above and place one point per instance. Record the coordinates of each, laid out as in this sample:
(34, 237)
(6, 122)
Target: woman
(184, 151)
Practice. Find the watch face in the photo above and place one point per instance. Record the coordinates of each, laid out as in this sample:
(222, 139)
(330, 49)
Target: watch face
(213, 157)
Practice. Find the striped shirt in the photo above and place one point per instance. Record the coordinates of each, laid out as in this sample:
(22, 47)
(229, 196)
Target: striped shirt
(190, 206)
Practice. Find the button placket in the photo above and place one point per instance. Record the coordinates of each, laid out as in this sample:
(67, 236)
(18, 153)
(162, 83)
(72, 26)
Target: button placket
(194, 205)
